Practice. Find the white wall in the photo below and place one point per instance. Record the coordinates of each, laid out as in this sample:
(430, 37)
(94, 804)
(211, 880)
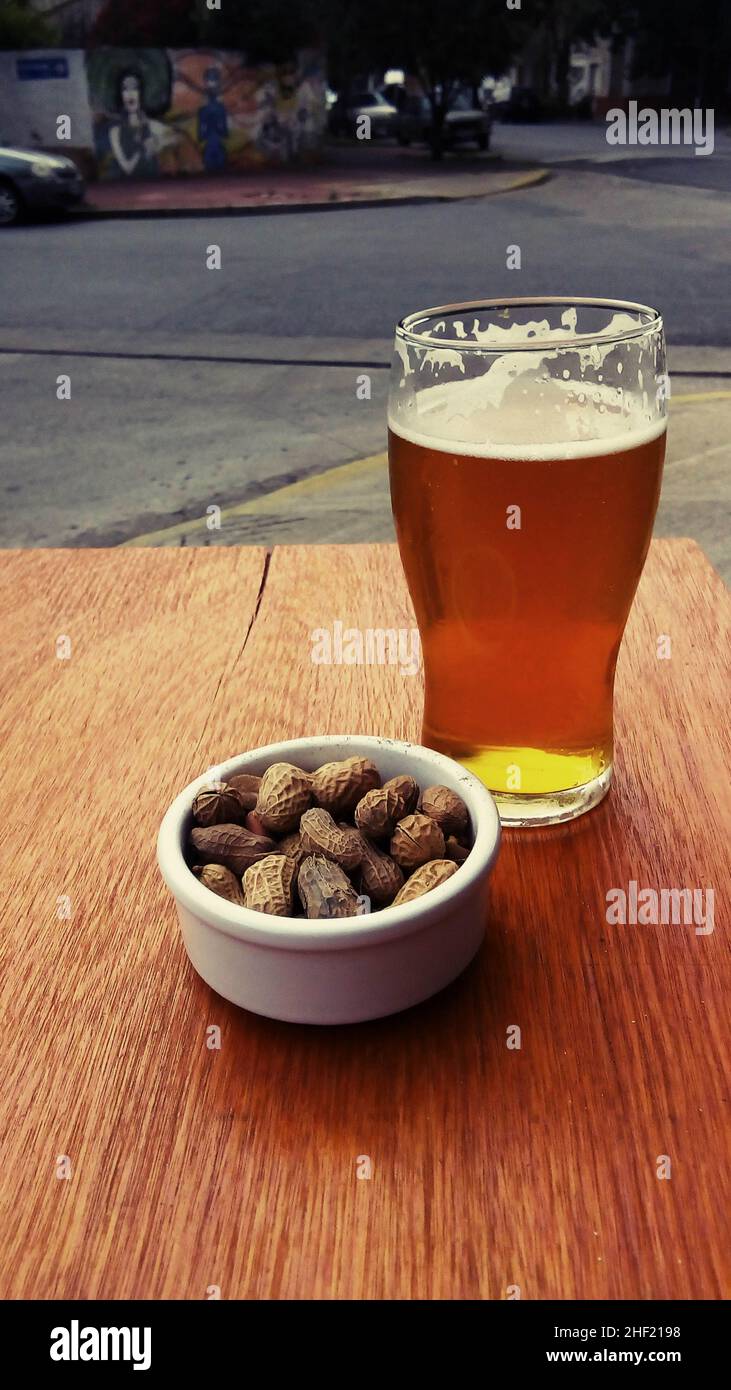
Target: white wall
(30, 105)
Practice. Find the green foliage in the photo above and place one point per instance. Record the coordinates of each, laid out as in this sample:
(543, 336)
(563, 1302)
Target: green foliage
(265, 30)
(268, 31)
(690, 43)
(146, 24)
(21, 27)
(443, 44)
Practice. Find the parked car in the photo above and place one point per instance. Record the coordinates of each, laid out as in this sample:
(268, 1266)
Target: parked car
(29, 179)
(523, 104)
(347, 110)
(464, 123)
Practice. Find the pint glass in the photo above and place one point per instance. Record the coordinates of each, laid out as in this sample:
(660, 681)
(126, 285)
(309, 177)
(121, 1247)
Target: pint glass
(526, 444)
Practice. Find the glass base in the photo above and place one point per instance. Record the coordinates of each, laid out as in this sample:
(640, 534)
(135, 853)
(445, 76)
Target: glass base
(551, 808)
(533, 785)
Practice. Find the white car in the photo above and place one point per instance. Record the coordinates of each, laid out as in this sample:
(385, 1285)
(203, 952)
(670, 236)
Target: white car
(346, 114)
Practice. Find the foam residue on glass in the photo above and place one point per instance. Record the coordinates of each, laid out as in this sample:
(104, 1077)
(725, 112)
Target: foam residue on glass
(566, 396)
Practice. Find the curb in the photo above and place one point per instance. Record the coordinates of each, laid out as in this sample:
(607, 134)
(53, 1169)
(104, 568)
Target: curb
(314, 482)
(253, 506)
(530, 179)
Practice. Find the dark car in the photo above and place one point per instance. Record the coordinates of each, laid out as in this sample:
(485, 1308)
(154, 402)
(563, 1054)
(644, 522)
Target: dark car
(523, 104)
(464, 123)
(30, 179)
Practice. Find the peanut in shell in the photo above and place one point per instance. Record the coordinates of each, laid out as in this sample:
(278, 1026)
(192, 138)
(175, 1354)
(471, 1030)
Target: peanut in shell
(423, 879)
(407, 790)
(247, 785)
(447, 809)
(416, 839)
(221, 881)
(378, 811)
(217, 804)
(284, 794)
(230, 845)
(268, 885)
(338, 787)
(320, 835)
(380, 876)
(325, 890)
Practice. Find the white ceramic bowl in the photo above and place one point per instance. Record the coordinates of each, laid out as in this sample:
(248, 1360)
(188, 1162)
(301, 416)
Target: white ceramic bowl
(357, 967)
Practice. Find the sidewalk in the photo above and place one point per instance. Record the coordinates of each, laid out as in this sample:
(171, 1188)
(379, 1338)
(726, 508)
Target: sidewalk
(348, 176)
(348, 500)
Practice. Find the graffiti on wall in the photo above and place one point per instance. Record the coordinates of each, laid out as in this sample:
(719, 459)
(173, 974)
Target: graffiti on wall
(172, 111)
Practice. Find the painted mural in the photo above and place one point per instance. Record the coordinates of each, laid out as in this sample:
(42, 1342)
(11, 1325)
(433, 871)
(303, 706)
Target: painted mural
(176, 111)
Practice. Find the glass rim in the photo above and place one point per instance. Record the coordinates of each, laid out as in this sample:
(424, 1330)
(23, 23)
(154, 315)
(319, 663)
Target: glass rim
(405, 332)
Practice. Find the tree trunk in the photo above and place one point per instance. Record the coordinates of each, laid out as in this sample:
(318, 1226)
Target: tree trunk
(436, 134)
(563, 60)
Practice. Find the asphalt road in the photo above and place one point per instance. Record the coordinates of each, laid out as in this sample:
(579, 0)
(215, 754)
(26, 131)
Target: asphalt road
(353, 273)
(144, 443)
(569, 142)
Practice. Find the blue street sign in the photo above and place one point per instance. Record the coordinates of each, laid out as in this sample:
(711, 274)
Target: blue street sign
(33, 69)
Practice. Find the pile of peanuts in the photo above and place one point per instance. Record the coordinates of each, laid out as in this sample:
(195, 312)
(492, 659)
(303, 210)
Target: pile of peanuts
(325, 844)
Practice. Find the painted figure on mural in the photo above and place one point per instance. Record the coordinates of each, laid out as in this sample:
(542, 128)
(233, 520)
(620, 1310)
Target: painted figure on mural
(136, 139)
(213, 123)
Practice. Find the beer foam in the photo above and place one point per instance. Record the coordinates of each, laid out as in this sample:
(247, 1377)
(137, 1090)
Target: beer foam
(521, 417)
(501, 335)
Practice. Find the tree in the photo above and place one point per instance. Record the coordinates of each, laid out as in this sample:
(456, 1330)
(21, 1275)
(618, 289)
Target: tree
(21, 27)
(563, 23)
(265, 30)
(146, 24)
(690, 44)
(445, 46)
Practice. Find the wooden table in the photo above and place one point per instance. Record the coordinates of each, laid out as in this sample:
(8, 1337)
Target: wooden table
(237, 1167)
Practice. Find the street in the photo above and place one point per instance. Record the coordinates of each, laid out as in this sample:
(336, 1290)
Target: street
(192, 387)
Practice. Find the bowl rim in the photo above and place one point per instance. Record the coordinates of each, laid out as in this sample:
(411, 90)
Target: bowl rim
(294, 933)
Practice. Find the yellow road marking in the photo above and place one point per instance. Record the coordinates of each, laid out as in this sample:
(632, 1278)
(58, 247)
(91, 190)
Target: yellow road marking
(521, 181)
(258, 505)
(700, 396)
(319, 482)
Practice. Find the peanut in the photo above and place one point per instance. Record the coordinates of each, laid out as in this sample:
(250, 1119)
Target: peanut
(220, 881)
(324, 890)
(247, 785)
(429, 876)
(254, 823)
(292, 846)
(380, 877)
(320, 835)
(283, 795)
(447, 809)
(407, 790)
(230, 845)
(338, 787)
(218, 803)
(416, 840)
(378, 811)
(455, 851)
(268, 885)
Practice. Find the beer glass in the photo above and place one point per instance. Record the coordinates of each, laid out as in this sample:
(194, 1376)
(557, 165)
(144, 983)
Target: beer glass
(526, 445)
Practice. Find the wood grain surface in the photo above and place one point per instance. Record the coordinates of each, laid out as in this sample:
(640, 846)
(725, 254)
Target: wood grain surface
(491, 1167)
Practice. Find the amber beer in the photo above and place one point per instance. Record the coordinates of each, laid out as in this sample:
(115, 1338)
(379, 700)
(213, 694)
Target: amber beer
(522, 566)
